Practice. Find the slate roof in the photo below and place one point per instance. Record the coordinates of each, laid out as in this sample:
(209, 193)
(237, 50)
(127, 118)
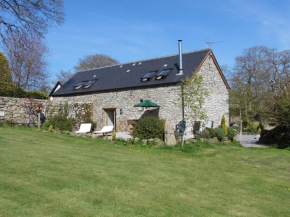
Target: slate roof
(118, 77)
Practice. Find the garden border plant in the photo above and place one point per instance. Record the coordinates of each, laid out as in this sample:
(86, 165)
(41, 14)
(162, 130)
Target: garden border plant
(149, 128)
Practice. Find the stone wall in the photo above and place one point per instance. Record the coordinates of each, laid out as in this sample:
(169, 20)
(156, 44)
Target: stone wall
(168, 97)
(19, 110)
(22, 110)
(217, 102)
(77, 110)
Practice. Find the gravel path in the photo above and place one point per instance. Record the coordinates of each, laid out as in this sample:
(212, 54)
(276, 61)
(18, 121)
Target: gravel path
(250, 141)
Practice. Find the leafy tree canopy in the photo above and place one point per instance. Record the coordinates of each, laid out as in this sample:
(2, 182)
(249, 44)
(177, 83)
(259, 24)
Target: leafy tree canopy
(6, 82)
(95, 61)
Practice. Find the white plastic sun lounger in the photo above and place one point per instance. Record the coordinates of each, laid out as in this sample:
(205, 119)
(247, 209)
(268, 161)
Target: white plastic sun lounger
(85, 128)
(105, 130)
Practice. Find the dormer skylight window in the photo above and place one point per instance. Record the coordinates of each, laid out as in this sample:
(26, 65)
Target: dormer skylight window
(163, 74)
(88, 84)
(148, 76)
(79, 85)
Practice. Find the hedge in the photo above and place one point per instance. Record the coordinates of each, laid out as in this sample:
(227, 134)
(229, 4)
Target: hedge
(20, 93)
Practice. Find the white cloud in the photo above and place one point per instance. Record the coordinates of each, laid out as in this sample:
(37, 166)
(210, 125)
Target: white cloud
(270, 19)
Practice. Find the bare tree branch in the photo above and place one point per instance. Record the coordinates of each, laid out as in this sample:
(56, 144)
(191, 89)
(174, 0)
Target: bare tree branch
(32, 16)
(27, 59)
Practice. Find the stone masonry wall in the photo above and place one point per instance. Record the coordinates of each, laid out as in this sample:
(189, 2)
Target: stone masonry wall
(217, 102)
(22, 110)
(80, 111)
(168, 98)
(19, 110)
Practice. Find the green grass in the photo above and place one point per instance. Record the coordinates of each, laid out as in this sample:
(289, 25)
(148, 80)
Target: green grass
(46, 174)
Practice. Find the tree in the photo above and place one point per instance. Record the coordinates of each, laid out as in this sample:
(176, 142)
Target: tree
(63, 76)
(6, 82)
(27, 58)
(33, 17)
(260, 82)
(95, 61)
(194, 95)
(283, 111)
(249, 78)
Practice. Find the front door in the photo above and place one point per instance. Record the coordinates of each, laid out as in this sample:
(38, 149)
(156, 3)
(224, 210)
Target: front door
(111, 117)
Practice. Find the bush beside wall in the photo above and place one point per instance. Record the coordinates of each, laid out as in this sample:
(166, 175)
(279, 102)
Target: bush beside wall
(60, 123)
(148, 128)
(18, 92)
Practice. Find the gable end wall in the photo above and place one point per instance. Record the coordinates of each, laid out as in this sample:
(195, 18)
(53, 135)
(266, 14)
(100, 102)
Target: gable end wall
(217, 103)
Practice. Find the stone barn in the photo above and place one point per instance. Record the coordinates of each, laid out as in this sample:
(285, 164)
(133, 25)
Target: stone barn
(113, 91)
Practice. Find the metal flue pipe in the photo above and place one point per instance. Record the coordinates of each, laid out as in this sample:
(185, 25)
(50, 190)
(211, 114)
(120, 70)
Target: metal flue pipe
(180, 58)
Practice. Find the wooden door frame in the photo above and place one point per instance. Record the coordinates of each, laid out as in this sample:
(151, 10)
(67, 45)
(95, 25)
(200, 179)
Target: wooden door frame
(115, 118)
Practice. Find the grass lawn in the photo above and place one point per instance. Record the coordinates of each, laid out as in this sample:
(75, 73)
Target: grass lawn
(46, 174)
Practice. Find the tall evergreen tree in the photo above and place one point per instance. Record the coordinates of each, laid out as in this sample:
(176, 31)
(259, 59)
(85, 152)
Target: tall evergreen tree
(6, 82)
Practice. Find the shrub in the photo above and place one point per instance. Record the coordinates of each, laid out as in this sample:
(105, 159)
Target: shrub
(224, 125)
(18, 92)
(148, 128)
(114, 136)
(231, 133)
(279, 135)
(252, 127)
(245, 124)
(205, 134)
(261, 126)
(60, 123)
(259, 131)
(50, 128)
(37, 94)
(284, 139)
(220, 134)
(211, 132)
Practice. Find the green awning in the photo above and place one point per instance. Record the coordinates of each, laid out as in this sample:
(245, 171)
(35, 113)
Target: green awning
(147, 103)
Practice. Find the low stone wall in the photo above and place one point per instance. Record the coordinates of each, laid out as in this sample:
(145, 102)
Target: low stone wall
(23, 110)
(19, 110)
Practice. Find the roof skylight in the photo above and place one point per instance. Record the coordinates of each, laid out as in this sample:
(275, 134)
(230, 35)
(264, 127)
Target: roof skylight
(79, 85)
(163, 74)
(148, 76)
(89, 84)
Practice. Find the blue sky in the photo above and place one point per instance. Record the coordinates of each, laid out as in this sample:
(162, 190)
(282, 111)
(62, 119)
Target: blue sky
(130, 30)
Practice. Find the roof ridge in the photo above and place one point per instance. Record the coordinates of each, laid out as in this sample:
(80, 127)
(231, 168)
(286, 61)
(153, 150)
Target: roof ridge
(160, 57)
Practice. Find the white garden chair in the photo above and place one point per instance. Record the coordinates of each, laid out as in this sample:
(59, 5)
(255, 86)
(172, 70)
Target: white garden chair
(105, 130)
(85, 128)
